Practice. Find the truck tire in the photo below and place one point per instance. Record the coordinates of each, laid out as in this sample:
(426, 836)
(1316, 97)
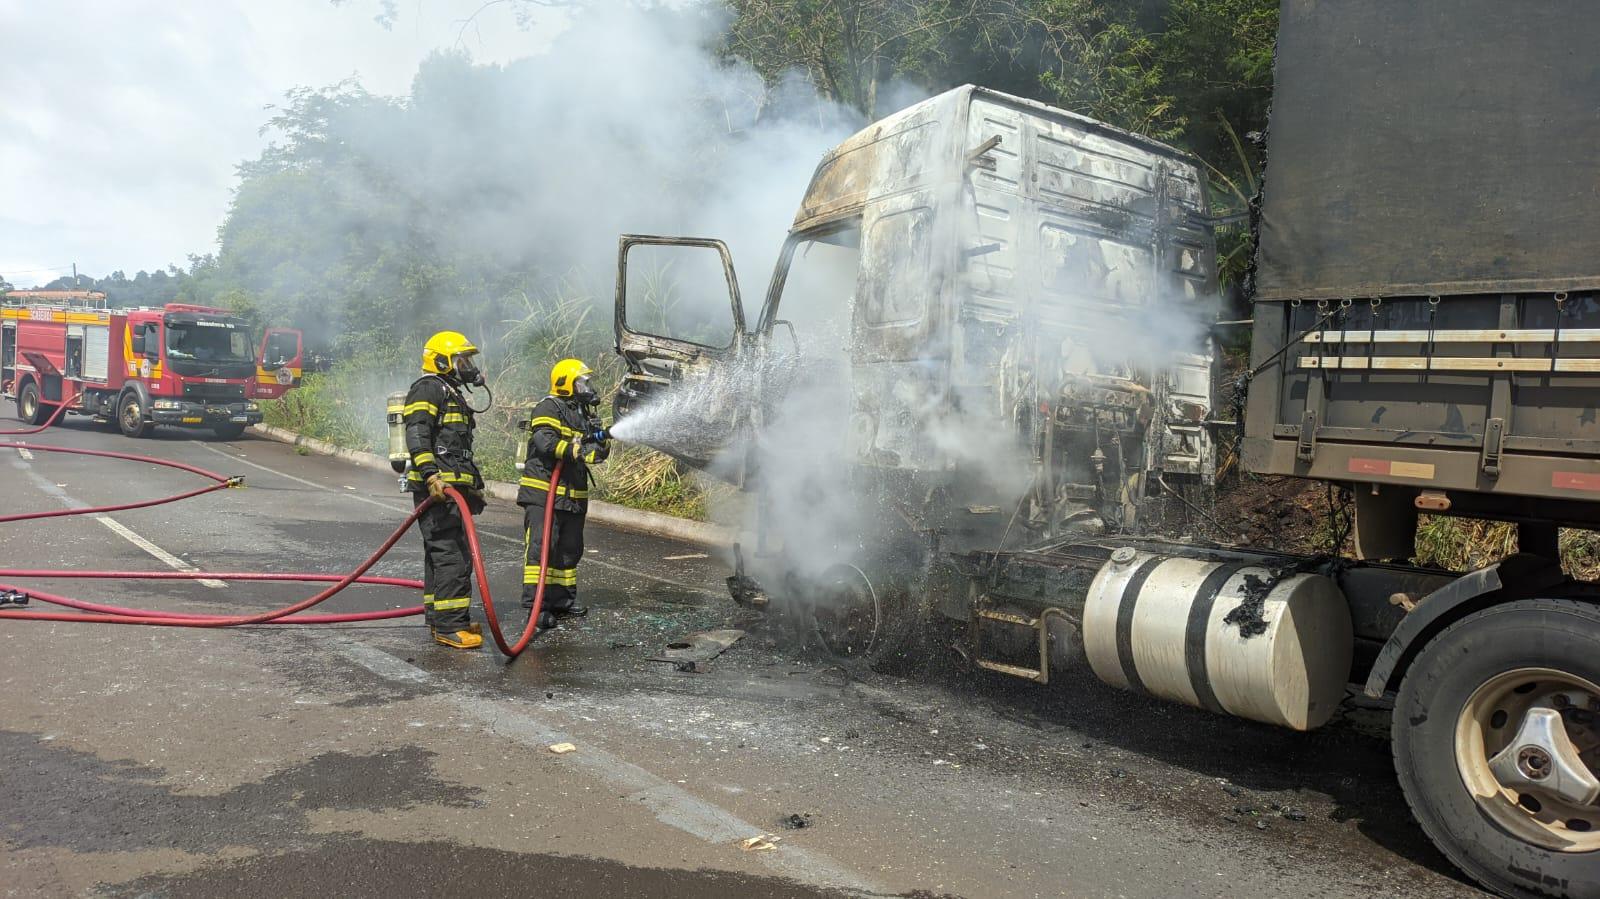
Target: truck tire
(230, 431)
(29, 407)
(130, 416)
(1464, 704)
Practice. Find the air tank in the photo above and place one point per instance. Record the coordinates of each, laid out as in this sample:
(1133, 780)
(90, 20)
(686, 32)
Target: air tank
(399, 458)
(1157, 624)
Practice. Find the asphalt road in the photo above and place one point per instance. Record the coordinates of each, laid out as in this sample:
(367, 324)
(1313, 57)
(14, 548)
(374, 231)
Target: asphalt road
(364, 760)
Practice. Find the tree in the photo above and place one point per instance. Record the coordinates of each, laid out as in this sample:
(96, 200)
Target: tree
(851, 49)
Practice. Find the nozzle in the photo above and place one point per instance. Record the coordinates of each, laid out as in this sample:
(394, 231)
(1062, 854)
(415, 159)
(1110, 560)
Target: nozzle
(13, 598)
(601, 436)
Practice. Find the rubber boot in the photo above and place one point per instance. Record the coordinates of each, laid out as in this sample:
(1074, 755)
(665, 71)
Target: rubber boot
(471, 638)
(571, 612)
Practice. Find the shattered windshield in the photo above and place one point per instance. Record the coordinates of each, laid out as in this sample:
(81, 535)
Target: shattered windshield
(209, 340)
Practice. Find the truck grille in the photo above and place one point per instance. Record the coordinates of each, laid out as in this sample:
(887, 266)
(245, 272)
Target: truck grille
(213, 392)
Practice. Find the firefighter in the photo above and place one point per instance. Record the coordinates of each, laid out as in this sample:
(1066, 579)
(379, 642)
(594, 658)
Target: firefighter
(438, 427)
(565, 428)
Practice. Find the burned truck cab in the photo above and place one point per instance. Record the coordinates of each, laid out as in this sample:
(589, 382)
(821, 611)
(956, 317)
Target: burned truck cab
(989, 322)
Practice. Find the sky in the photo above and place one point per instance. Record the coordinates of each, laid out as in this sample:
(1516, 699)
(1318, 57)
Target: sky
(121, 121)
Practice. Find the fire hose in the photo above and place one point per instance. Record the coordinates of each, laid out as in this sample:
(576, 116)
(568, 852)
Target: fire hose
(290, 614)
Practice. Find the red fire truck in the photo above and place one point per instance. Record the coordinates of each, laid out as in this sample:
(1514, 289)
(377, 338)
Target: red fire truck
(182, 365)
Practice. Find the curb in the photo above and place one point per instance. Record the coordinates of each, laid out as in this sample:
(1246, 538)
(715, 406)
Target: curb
(609, 514)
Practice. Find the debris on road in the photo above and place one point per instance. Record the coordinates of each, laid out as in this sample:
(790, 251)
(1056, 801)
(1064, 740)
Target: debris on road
(698, 647)
(797, 821)
(759, 843)
(562, 748)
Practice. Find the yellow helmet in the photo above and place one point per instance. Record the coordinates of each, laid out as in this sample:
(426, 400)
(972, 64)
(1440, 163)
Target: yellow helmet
(441, 350)
(565, 374)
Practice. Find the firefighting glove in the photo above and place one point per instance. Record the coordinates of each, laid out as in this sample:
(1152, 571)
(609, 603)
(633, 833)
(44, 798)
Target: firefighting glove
(575, 450)
(436, 487)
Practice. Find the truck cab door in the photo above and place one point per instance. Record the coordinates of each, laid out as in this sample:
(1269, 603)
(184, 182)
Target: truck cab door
(278, 364)
(680, 330)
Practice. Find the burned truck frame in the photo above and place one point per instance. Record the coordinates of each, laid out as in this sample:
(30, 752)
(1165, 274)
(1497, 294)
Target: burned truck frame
(1422, 338)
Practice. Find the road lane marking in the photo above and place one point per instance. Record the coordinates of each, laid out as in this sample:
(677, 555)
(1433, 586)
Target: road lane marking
(671, 804)
(289, 477)
(24, 453)
(166, 558)
(117, 527)
(487, 533)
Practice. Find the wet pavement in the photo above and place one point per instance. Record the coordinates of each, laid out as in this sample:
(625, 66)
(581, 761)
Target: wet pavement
(363, 760)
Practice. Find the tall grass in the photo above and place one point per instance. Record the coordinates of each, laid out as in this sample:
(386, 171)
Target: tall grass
(1461, 544)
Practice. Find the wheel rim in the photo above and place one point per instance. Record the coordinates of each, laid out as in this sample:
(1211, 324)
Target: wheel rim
(846, 613)
(1527, 746)
(132, 416)
(30, 404)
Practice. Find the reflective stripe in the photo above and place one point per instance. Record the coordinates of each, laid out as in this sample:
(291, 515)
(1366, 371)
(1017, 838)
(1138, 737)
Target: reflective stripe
(427, 598)
(589, 457)
(561, 490)
(561, 447)
(444, 605)
(451, 418)
(422, 458)
(420, 406)
(449, 477)
(560, 577)
(546, 421)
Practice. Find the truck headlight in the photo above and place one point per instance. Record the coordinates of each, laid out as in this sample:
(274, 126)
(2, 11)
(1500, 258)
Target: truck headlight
(166, 404)
(252, 407)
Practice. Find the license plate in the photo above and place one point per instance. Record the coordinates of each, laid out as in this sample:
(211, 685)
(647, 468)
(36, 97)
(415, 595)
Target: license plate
(193, 421)
(244, 418)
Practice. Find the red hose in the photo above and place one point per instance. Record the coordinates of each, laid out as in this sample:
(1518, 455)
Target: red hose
(222, 481)
(108, 614)
(373, 580)
(166, 620)
(532, 627)
(47, 423)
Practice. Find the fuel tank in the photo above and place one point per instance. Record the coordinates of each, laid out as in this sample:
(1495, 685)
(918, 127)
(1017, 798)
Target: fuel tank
(1234, 638)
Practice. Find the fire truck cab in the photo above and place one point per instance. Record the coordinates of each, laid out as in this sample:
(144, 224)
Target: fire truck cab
(180, 364)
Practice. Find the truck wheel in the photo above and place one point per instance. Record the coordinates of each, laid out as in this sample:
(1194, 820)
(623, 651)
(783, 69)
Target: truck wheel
(130, 416)
(856, 622)
(29, 408)
(230, 431)
(1496, 737)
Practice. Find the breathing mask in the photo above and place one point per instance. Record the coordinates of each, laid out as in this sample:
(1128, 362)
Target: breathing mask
(583, 392)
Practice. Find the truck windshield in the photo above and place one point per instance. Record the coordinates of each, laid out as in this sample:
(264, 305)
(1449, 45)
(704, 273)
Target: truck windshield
(819, 285)
(209, 340)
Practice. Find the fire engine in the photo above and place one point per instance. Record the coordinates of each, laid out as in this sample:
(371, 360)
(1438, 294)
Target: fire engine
(181, 364)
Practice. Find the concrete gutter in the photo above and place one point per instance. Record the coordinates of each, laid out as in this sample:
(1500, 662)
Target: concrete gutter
(609, 514)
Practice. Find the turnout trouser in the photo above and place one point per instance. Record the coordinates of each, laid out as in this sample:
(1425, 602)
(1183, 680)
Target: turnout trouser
(566, 551)
(446, 566)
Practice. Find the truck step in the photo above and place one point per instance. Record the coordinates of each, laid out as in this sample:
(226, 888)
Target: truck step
(1037, 675)
(1040, 626)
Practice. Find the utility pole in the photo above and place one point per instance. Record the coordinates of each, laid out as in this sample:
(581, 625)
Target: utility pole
(74, 275)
